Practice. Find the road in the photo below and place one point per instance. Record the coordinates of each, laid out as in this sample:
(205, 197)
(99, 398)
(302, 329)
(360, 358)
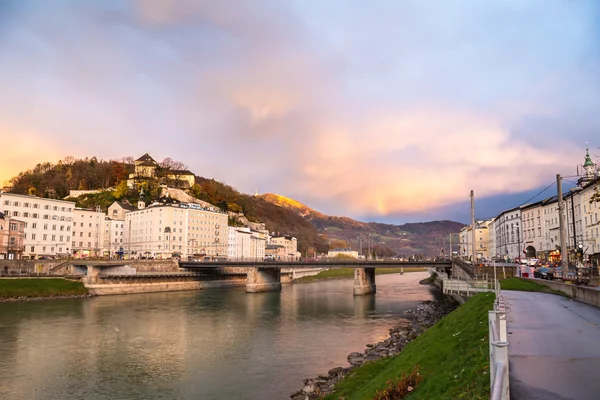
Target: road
(554, 347)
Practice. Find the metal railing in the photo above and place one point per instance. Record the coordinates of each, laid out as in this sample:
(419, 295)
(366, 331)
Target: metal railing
(466, 286)
(499, 382)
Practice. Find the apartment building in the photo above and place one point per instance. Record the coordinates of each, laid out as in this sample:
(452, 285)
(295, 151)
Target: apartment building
(508, 234)
(290, 245)
(89, 233)
(47, 224)
(12, 235)
(168, 228)
(482, 241)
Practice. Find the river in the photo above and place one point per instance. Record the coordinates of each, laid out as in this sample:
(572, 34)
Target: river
(209, 344)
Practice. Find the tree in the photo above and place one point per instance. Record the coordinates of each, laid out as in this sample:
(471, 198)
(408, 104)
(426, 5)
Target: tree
(122, 190)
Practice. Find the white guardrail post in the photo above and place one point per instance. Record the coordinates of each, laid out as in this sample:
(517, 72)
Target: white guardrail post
(499, 382)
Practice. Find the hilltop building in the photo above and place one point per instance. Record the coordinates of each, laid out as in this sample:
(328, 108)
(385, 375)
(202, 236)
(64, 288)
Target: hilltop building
(146, 168)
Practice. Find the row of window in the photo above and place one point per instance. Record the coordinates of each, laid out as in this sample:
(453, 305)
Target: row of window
(60, 249)
(45, 237)
(9, 213)
(35, 205)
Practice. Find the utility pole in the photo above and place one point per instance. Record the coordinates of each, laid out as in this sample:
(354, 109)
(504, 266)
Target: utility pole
(450, 243)
(561, 219)
(473, 226)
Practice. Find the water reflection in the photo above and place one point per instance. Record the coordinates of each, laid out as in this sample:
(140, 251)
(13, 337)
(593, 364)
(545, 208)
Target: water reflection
(209, 344)
(364, 306)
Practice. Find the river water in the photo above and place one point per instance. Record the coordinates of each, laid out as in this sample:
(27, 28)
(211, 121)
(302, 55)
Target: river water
(209, 344)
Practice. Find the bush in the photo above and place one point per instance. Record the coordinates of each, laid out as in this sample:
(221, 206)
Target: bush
(400, 388)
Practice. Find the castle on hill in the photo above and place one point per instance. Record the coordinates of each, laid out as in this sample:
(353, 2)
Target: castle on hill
(146, 168)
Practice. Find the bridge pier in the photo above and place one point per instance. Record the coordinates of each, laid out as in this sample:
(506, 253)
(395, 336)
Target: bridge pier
(364, 281)
(263, 280)
(92, 274)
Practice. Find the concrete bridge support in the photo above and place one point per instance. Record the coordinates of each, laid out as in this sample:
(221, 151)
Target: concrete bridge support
(364, 281)
(92, 274)
(263, 280)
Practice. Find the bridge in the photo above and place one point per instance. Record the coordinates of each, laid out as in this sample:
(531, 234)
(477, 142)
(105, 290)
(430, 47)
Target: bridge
(266, 276)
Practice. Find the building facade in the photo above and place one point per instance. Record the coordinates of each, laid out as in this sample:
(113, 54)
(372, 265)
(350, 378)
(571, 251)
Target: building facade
(12, 236)
(89, 233)
(47, 224)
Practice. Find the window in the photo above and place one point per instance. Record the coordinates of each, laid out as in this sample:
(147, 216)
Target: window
(89, 234)
(46, 207)
(6, 203)
(61, 238)
(46, 226)
(45, 237)
(62, 227)
(16, 204)
(53, 238)
(89, 244)
(53, 227)
(45, 216)
(33, 237)
(80, 244)
(80, 234)
(33, 247)
(36, 206)
(55, 208)
(73, 244)
(35, 215)
(16, 213)
(26, 214)
(62, 209)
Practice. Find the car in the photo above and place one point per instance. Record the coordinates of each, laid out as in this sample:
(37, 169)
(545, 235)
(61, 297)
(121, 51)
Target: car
(543, 273)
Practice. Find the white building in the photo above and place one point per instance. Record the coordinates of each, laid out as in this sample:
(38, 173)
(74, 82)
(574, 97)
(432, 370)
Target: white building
(246, 244)
(167, 228)
(89, 232)
(342, 252)
(534, 232)
(48, 223)
(508, 234)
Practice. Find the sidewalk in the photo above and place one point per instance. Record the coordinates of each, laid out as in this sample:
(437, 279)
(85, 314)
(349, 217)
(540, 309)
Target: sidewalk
(554, 347)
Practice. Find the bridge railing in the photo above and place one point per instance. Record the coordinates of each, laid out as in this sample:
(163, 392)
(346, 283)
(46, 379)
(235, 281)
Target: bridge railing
(499, 381)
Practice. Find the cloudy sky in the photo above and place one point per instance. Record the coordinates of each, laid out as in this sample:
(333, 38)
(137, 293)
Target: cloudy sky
(382, 110)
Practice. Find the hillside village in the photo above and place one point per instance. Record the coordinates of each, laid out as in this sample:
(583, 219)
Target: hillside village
(173, 224)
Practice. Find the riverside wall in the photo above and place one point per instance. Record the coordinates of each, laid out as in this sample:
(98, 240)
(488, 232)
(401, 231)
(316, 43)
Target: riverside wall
(133, 285)
(580, 293)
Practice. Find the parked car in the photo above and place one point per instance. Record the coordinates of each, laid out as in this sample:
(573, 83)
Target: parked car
(543, 273)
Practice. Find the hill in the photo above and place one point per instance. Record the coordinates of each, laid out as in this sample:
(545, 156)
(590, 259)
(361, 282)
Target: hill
(425, 238)
(314, 230)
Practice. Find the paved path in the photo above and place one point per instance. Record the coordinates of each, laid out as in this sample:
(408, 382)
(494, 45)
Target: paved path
(554, 347)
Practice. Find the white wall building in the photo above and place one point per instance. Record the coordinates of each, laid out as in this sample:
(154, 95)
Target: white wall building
(167, 228)
(508, 234)
(88, 233)
(482, 242)
(48, 223)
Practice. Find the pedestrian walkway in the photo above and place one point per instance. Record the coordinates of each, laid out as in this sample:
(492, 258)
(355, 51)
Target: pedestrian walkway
(554, 347)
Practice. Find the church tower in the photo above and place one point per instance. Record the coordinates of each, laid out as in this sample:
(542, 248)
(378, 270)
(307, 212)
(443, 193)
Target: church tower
(142, 200)
(589, 169)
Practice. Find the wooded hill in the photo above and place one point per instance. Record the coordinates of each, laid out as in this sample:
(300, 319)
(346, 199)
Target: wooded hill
(314, 230)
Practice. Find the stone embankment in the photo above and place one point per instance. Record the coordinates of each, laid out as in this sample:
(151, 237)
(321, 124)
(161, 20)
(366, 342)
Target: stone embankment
(427, 314)
(25, 298)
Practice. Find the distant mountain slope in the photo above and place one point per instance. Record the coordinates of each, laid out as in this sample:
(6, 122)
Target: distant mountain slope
(425, 238)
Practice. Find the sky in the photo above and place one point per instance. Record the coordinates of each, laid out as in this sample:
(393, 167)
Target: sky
(388, 111)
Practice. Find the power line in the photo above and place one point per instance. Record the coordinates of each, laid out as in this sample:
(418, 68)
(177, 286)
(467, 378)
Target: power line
(542, 191)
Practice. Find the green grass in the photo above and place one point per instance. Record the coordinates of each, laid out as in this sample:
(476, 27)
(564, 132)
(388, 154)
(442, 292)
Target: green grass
(39, 287)
(453, 356)
(339, 273)
(525, 285)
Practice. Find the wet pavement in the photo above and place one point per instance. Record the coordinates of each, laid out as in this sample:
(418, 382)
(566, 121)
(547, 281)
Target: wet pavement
(554, 347)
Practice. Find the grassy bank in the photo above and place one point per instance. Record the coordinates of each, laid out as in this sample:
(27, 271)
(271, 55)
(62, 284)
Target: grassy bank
(453, 357)
(340, 273)
(525, 285)
(51, 287)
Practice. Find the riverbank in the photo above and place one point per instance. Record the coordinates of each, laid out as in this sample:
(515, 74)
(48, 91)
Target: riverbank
(347, 273)
(30, 289)
(451, 358)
